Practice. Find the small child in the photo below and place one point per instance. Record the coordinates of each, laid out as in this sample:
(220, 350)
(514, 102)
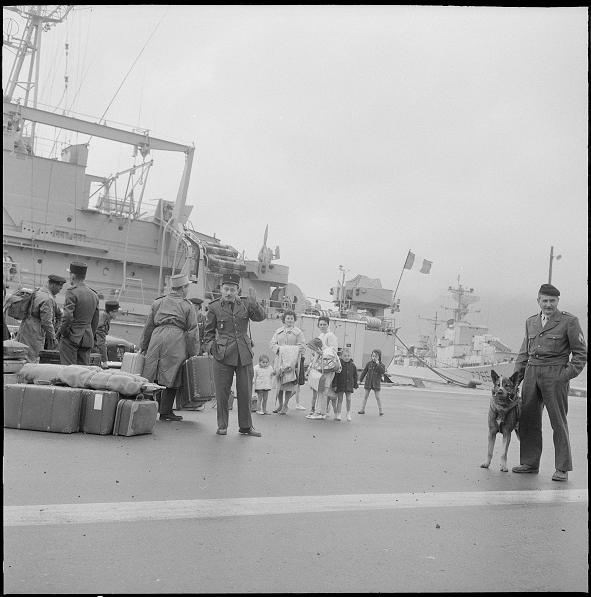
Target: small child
(373, 379)
(262, 383)
(345, 382)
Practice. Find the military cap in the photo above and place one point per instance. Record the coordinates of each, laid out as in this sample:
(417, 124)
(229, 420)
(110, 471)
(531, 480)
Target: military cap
(231, 279)
(111, 306)
(56, 279)
(78, 268)
(196, 301)
(179, 280)
(549, 290)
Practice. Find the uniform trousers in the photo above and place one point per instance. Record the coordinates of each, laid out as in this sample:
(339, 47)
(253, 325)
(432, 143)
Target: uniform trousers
(544, 386)
(73, 354)
(223, 376)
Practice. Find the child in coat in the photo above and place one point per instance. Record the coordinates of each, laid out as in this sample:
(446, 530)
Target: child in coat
(373, 379)
(262, 383)
(345, 382)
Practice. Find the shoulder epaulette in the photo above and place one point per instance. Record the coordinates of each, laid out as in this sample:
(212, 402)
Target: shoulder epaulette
(532, 316)
(567, 313)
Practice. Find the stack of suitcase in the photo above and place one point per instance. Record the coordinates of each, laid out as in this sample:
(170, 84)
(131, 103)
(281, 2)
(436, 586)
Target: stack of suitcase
(197, 383)
(62, 409)
(14, 358)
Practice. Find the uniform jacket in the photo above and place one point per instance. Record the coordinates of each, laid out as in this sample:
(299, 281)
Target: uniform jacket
(226, 331)
(40, 324)
(346, 380)
(100, 336)
(372, 373)
(553, 344)
(80, 316)
(170, 336)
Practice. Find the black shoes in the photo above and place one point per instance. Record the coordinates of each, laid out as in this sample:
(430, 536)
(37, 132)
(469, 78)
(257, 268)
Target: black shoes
(250, 431)
(171, 417)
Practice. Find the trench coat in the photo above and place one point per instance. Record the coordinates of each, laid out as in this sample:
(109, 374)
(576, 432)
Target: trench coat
(287, 337)
(100, 336)
(41, 324)
(170, 337)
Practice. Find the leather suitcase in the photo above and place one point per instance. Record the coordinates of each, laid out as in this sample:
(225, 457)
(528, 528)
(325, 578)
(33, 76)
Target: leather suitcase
(95, 359)
(11, 378)
(97, 414)
(197, 383)
(135, 417)
(15, 350)
(42, 408)
(133, 362)
(13, 365)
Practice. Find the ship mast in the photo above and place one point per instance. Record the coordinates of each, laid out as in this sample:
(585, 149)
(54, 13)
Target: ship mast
(433, 340)
(464, 298)
(39, 18)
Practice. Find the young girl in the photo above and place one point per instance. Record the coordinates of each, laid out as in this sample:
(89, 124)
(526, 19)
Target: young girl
(373, 377)
(345, 382)
(262, 383)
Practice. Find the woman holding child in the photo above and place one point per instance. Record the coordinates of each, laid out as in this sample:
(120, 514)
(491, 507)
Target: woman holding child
(288, 344)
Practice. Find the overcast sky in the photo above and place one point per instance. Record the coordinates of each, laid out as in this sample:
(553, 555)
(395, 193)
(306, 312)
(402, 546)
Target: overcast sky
(357, 133)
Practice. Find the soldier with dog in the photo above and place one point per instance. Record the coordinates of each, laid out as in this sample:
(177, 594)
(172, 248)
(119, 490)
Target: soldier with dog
(552, 353)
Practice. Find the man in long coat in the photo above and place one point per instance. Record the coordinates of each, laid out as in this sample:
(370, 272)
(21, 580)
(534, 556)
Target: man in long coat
(79, 320)
(227, 340)
(170, 337)
(41, 325)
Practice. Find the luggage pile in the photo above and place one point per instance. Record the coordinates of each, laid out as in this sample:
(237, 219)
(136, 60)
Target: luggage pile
(15, 356)
(73, 398)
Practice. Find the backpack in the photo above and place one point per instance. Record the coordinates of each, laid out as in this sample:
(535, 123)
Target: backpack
(18, 304)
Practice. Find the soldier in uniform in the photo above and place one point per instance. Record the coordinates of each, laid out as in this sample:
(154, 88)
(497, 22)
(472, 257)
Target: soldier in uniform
(227, 340)
(79, 320)
(553, 352)
(170, 337)
(100, 337)
(39, 328)
(197, 302)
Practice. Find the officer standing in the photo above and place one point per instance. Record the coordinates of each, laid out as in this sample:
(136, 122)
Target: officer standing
(170, 337)
(79, 320)
(553, 352)
(100, 337)
(226, 339)
(41, 325)
(197, 302)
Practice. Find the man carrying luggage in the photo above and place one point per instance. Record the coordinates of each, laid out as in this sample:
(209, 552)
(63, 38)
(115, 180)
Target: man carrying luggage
(227, 340)
(170, 337)
(100, 337)
(40, 325)
(79, 320)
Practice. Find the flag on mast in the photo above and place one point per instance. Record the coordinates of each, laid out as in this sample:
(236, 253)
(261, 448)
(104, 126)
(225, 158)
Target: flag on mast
(415, 262)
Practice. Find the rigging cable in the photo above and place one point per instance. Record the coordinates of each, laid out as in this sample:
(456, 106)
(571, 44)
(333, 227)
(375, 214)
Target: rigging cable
(131, 67)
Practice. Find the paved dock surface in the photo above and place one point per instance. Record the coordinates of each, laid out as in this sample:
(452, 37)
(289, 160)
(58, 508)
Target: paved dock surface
(396, 503)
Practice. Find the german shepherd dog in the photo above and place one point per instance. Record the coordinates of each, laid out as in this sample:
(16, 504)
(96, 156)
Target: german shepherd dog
(503, 415)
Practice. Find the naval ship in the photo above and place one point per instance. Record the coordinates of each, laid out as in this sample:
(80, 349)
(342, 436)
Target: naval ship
(55, 212)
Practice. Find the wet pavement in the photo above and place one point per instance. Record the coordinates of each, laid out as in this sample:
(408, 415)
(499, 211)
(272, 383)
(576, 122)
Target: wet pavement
(396, 503)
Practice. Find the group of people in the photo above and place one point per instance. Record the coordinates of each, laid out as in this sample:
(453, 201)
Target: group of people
(553, 352)
(75, 331)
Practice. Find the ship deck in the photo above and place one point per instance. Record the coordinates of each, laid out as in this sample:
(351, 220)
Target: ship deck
(396, 503)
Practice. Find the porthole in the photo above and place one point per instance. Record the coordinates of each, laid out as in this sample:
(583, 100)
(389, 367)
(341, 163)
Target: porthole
(106, 271)
(39, 260)
(69, 219)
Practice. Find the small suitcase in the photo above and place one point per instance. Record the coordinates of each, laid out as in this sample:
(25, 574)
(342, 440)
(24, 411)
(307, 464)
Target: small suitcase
(13, 365)
(42, 408)
(51, 357)
(135, 417)
(11, 378)
(97, 414)
(15, 350)
(133, 362)
(197, 383)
